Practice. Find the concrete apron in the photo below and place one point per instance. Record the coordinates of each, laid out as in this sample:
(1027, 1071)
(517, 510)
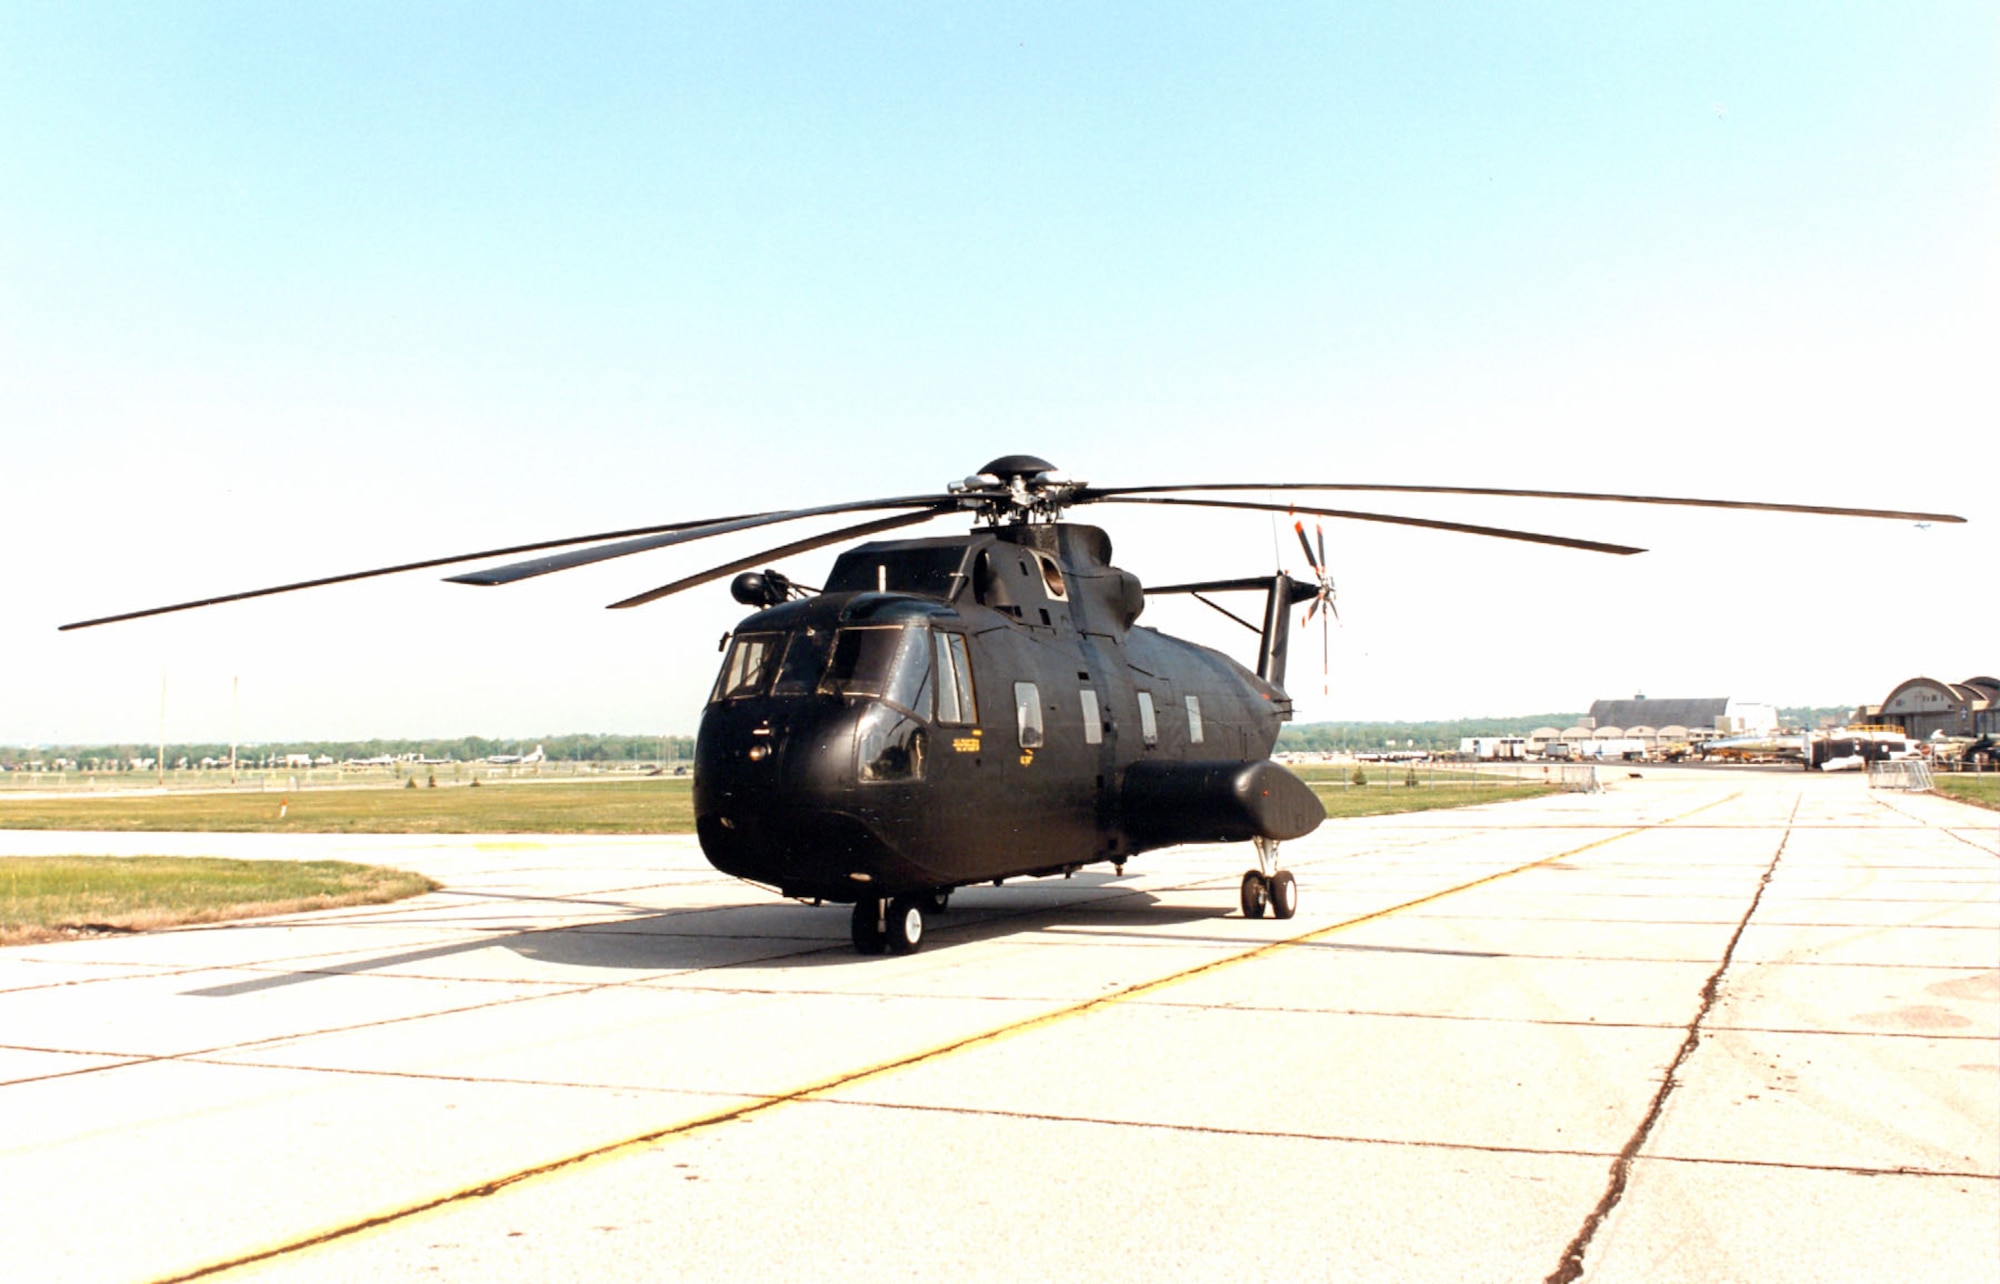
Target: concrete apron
(1707, 1025)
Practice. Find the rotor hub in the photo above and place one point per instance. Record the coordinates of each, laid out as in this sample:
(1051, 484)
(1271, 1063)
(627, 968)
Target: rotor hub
(1017, 489)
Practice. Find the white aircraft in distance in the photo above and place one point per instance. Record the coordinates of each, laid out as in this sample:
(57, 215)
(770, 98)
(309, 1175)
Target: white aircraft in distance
(517, 760)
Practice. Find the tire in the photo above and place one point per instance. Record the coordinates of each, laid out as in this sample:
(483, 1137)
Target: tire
(906, 923)
(869, 938)
(1256, 894)
(1284, 894)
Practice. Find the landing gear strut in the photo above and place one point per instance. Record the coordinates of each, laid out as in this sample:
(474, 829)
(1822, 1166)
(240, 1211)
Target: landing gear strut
(1267, 886)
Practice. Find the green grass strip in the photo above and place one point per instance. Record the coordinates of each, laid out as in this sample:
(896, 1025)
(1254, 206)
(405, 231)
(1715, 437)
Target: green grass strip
(662, 806)
(1981, 790)
(44, 898)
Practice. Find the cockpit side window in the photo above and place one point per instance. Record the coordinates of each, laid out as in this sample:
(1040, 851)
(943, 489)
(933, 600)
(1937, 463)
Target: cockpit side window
(954, 680)
(748, 669)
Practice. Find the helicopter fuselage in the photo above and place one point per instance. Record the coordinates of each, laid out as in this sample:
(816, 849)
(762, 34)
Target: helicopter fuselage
(952, 711)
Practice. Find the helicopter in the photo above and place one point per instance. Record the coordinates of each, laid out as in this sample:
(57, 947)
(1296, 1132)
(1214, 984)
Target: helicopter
(951, 711)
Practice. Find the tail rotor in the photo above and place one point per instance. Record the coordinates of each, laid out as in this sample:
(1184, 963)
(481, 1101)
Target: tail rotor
(1324, 598)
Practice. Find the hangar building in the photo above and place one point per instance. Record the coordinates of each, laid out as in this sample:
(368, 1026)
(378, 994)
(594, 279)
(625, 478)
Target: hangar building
(1656, 723)
(1924, 707)
(1722, 715)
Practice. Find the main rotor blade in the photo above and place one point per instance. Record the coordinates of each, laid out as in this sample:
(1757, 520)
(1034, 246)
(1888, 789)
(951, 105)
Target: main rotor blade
(1109, 492)
(1464, 528)
(783, 550)
(517, 571)
(398, 569)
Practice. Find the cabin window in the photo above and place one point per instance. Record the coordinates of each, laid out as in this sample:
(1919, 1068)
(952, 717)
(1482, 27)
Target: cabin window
(748, 669)
(1093, 721)
(889, 745)
(1028, 714)
(954, 680)
(1149, 725)
(1194, 720)
(893, 663)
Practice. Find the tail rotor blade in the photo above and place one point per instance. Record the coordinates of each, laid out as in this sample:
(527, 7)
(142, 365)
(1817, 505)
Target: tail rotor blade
(1300, 528)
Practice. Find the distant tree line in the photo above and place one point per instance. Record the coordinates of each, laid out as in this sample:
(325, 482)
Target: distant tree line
(576, 747)
(1809, 716)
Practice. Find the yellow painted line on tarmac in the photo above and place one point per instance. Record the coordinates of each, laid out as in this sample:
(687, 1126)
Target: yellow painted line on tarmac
(764, 1104)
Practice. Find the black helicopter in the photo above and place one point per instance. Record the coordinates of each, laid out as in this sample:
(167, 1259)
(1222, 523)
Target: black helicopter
(968, 709)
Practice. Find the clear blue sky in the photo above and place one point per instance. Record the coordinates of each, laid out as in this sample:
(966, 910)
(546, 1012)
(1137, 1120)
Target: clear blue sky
(291, 289)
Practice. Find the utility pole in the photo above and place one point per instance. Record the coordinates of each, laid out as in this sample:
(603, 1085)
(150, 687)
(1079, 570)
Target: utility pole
(234, 681)
(161, 761)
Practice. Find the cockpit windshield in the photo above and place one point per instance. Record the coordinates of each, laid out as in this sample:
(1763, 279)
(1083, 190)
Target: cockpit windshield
(889, 662)
(893, 663)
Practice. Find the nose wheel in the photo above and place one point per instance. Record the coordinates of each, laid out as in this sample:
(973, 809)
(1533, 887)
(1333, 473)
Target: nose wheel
(1268, 887)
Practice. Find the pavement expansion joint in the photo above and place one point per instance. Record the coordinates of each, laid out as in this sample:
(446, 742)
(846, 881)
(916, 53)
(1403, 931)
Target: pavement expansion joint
(1570, 1267)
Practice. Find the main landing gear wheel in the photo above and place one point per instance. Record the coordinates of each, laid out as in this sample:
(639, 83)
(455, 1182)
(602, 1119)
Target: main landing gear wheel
(871, 935)
(1267, 886)
(906, 923)
(1256, 894)
(1284, 894)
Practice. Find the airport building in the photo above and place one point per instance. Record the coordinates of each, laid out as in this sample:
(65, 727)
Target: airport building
(1926, 707)
(1720, 715)
(1656, 724)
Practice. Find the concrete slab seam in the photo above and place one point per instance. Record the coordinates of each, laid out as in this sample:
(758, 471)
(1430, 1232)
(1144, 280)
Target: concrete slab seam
(1275, 1134)
(1570, 1266)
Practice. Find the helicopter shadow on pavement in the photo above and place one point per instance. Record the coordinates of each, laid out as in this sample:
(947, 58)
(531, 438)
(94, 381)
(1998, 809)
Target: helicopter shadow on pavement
(754, 934)
(789, 934)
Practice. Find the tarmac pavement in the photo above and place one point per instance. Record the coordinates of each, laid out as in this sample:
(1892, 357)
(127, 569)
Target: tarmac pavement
(1707, 1025)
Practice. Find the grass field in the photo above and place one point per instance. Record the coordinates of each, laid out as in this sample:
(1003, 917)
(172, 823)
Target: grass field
(1384, 800)
(1388, 793)
(1981, 791)
(663, 805)
(44, 898)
